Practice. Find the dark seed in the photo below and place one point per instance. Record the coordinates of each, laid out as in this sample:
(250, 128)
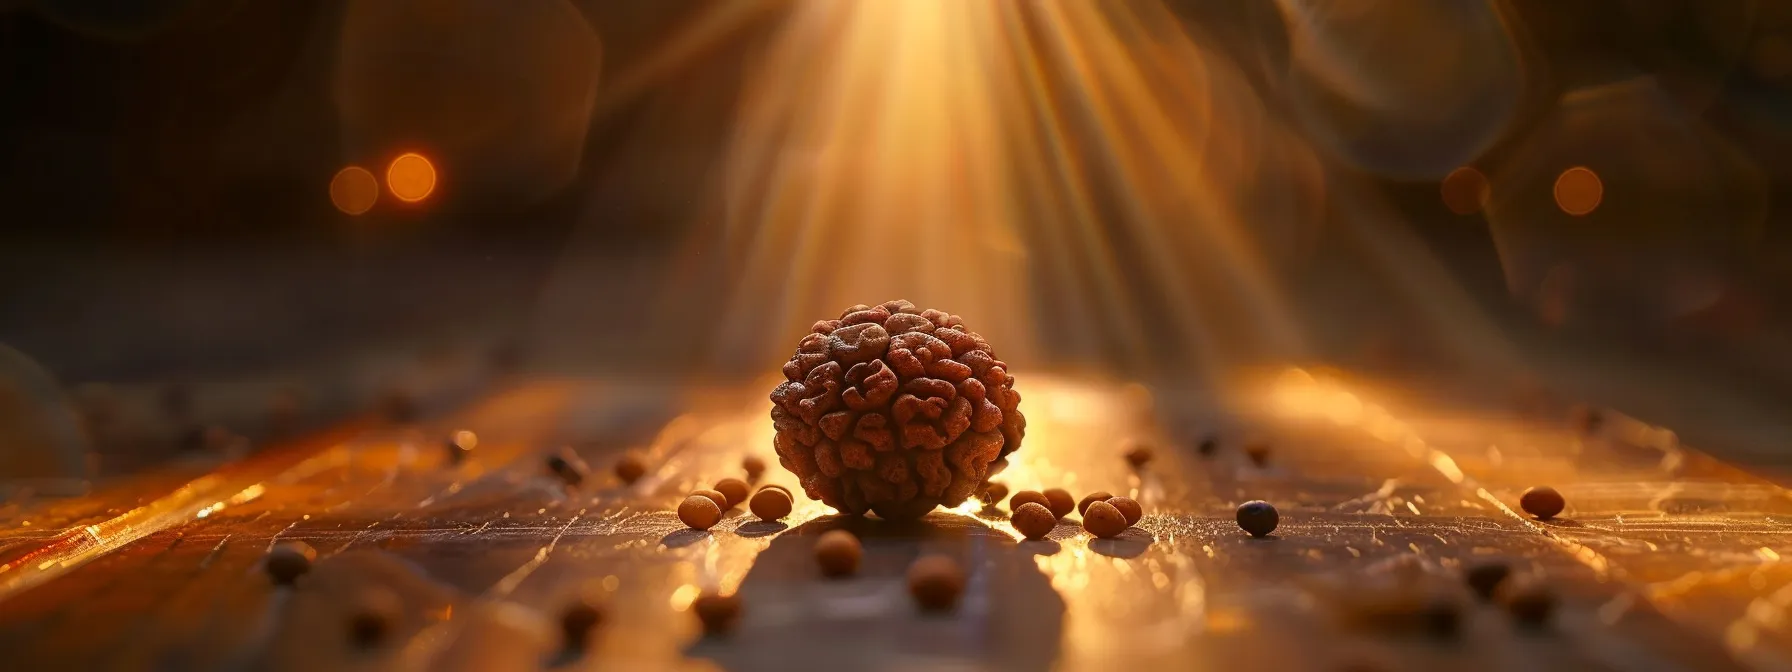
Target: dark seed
(367, 629)
(935, 582)
(1257, 517)
(1139, 456)
(838, 553)
(630, 469)
(735, 490)
(717, 612)
(1059, 501)
(1586, 420)
(1082, 507)
(775, 486)
(1543, 502)
(1258, 452)
(578, 621)
(1033, 520)
(1103, 520)
(373, 619)
(1530, 604)
(288, 561)
(1129, 508)
(1485, 578)
(460, 444)
(1026, 497)
(565, 470)
(700, 512)
(1208, 446)
(770, 504)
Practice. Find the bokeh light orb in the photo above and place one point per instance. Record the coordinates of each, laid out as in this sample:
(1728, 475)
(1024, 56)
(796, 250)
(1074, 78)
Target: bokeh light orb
(1408, 89)
(1465, 190)
(500, 92)
(354, 190)
(1578, 190)
(1647, 207)
(411, 177)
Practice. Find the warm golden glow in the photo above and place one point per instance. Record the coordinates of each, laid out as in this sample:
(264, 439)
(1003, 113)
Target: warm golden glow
(1579, 190)
(951, 152)
(354, 190)
(411, 177)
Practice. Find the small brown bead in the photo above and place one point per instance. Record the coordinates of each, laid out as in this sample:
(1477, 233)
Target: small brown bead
(1033, 520)
(735, 490)
(993, 494)
(1543, 502)
(1586, 419)
(289, 560)
(716, 496)
(699, 512)
(1103, 520)
(770, 504)
(1091, 498)
(375, 615)
(1025, 497)
(630, 469)
(460, 444)
(1485, 579)
(935, 582)
(1208, 446)
(718, 613)
(577, 622)
(1529, 602)
(838, 553)
(1258, 517)
(1128, 507)
(754, 466)
(1139, 456)
(565, 467)
(1258, 452)
(1060, 502)
(775, 486)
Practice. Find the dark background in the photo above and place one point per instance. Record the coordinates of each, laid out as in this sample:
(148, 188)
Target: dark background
(163, 173)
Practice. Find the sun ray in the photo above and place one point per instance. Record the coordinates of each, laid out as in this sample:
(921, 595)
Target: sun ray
(1089, 164)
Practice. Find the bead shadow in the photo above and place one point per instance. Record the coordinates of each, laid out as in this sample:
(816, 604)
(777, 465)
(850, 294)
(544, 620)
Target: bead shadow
(1008, 617)
(760, 528)
(1129, 544)
(683, 538)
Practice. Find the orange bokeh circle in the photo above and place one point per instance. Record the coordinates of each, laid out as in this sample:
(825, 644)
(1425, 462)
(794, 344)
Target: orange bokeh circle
(411, 177)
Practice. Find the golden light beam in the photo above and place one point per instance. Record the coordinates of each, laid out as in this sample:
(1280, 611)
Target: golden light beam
(964, 155)
(868, 166)
(1156, 99)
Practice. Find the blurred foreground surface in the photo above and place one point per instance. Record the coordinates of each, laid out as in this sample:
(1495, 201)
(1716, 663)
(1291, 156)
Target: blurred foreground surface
(1665, 558)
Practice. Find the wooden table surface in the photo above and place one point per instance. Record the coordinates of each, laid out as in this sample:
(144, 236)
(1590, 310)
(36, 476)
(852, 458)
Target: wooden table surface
(1666, 559)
